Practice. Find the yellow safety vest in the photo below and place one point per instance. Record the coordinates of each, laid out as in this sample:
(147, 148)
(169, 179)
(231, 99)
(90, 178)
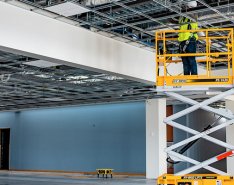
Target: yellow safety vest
(187, 24)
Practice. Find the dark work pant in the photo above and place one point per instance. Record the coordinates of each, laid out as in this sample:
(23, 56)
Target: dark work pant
(189, 63)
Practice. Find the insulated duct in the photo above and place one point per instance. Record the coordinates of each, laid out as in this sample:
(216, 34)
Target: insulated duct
(98, 2)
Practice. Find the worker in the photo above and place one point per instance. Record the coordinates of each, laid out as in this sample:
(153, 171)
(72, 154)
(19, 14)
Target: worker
(188, 42)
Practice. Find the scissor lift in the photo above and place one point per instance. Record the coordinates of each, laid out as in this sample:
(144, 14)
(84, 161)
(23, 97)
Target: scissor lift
(218, 48)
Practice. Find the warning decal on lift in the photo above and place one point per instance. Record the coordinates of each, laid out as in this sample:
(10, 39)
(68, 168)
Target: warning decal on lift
(191, 177)
(199, 177)
(200, 80)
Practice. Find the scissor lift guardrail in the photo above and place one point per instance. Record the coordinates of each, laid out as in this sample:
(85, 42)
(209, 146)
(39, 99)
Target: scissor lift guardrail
(208, 55)
(172, 85)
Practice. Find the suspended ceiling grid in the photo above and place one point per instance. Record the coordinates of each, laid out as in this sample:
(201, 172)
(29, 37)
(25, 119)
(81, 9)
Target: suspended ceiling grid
(31, 83)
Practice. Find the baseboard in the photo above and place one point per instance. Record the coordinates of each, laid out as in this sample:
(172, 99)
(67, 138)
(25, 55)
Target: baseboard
(84, 173)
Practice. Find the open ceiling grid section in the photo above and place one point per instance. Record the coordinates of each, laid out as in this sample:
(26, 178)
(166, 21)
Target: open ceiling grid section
(25, 85)
(135, 21)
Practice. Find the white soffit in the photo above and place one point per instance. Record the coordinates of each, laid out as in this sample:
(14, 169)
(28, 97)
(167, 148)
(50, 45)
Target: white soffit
(67, 9)
(41, 64)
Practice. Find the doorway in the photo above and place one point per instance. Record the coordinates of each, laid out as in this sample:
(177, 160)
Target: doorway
(4, 148)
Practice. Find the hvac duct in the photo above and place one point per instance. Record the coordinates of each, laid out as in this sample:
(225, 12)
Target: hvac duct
(192, 4)
(98, 2)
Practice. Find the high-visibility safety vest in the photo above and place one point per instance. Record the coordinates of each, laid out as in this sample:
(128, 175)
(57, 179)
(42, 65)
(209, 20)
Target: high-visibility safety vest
(187, 24)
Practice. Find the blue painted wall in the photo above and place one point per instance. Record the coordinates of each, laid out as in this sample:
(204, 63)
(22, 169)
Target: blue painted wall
(81, 138)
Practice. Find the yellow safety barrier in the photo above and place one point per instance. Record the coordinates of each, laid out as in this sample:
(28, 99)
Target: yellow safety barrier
(104, 172)
(210, 54)
(195, 179)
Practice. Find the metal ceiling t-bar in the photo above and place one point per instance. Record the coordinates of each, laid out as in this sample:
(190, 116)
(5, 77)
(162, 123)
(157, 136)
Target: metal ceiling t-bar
(198, 135)
(216, 11)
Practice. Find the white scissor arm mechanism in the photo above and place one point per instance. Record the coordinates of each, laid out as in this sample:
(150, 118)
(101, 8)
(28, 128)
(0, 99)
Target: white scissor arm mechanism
(203, 134)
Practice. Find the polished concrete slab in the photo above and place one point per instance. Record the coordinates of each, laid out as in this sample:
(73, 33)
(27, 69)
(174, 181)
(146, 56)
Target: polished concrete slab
(28, 178)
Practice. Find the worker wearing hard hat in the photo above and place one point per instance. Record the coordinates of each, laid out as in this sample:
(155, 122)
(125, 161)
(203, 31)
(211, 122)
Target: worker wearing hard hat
(188, 42)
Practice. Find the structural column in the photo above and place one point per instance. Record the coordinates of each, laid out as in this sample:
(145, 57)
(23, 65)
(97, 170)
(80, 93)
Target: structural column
(155, 138)
(230, 137)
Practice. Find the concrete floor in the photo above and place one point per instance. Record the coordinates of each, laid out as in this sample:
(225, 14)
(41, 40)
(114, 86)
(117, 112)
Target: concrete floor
(27, 178)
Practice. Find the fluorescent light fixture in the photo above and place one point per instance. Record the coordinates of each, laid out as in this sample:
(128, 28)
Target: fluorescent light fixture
(112, 78)
(85, 81)
(41, 63)
(27, 73)
(77, 79)
(43, 76)
(54, 99)
(80, 77)
(77, 82)
(108, 77)
(93, 80)
(67, 9)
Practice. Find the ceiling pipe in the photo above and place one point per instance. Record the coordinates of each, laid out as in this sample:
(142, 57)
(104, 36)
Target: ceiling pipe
(97, 2)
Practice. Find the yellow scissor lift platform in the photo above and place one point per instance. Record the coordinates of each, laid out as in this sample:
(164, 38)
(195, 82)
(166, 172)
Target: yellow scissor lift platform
(216, 47)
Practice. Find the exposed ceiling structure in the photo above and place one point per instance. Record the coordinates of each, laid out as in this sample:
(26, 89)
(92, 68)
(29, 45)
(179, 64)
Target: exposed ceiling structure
(135, 21)
(30, 83)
